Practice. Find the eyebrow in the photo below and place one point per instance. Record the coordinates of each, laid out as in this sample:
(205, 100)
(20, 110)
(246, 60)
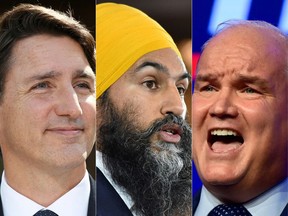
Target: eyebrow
(55, 74)
(83, 74)
(252, 79)
(47, 75)
(206, 77)
(155, 65)
(240, 77)
(161, 68)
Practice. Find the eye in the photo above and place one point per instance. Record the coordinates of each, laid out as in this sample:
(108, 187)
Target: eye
(250, 90)
(207, 88)
(150, 84)
(83, 85)
(181, 91)
(41, 85)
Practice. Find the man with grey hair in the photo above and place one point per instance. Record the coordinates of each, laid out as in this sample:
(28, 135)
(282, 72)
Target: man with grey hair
(240, 115)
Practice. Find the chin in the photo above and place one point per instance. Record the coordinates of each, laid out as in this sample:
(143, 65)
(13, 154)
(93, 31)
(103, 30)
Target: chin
(217, 176)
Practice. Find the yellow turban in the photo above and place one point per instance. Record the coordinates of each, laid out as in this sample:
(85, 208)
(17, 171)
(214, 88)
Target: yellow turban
(123, 35)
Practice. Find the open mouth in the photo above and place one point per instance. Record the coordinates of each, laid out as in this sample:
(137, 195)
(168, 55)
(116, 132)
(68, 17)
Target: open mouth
(172, 129)
(224, 140)
(171, 133)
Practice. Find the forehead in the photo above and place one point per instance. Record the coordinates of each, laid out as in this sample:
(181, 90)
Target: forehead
(40, 53)
(45, 45)
(166, 58)
(244, 50)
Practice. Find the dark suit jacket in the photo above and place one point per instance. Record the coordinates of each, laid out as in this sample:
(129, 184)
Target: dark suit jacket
(92, 199)
(196, 200)
(109, 203)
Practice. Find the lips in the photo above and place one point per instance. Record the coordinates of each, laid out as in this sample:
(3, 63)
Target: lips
(171, 133)
(66, 130)
(223, 140)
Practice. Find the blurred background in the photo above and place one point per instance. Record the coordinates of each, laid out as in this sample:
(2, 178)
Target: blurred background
(207, 14)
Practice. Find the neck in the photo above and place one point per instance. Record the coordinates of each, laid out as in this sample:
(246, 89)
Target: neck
(43, 186)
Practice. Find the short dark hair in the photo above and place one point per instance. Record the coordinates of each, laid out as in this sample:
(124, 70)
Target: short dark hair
(26, 20)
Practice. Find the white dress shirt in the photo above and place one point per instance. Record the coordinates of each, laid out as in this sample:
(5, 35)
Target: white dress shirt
(73, 203)
(120, 190)
(272, 202)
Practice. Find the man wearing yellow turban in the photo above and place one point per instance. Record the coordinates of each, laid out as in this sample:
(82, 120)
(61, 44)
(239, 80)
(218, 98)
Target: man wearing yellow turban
(143, 142)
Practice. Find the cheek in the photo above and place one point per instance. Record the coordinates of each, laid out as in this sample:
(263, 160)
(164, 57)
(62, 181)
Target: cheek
(264, 136)
(29, 112)
(89, 108)
(200, 111)
(260, 116)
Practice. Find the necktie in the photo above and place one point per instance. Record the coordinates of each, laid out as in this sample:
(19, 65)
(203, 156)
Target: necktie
(229, 210)
(45, 213)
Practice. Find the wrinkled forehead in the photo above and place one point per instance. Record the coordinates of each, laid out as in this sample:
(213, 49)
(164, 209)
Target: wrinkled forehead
(261, 39)
(246, 48)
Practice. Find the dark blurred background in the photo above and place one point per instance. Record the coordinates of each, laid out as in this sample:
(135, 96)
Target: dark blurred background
(84, 11)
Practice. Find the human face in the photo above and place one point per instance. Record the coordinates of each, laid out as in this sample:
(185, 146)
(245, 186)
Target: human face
(135, 135)
(241, 90)
(155, 86)
(47, 116)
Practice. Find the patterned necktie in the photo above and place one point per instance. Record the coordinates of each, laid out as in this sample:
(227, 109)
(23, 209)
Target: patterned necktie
(45, 213)
(229, 210)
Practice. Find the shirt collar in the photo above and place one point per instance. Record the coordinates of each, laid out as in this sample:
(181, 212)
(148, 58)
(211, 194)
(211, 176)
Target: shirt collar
(15, 203)
(275, 199)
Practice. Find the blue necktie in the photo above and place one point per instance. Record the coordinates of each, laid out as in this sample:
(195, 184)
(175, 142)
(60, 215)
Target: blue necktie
(229, 210)
(45, 213)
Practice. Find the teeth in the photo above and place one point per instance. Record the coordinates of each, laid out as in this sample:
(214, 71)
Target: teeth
(170, 131)
(223, 132)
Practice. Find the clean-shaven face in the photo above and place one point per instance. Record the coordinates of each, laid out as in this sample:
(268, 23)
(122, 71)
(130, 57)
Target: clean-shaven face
(240, 114)
(48, 109)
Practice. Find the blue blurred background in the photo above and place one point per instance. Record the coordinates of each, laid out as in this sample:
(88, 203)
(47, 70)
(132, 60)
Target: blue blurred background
(207, 14)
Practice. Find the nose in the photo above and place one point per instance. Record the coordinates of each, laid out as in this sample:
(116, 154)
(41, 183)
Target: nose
(223, 106)
(68, 103)
(173, 103)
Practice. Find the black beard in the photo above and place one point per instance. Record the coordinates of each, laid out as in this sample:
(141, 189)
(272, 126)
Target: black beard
(159, 181)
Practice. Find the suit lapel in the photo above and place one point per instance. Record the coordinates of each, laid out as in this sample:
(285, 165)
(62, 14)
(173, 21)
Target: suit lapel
(92, 198)
(108, 200)
(285, 211)
(196, 200)
(1, 208)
